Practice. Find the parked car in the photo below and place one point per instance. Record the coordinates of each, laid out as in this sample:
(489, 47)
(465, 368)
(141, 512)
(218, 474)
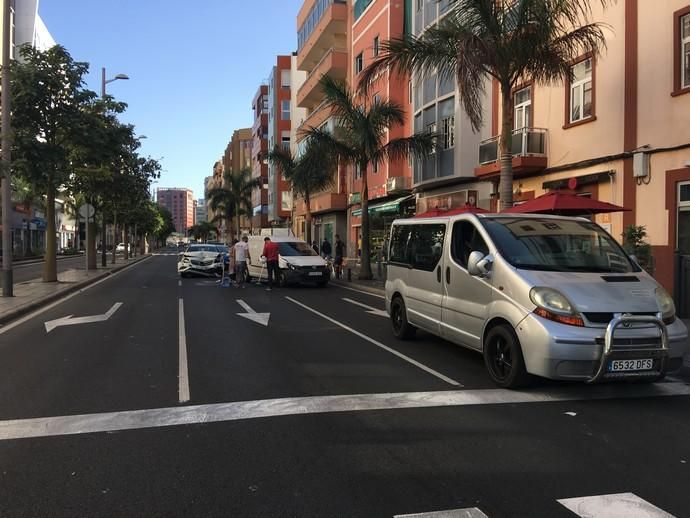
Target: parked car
(545, 295)
(201, 259)
(298, 263)
(120, 248)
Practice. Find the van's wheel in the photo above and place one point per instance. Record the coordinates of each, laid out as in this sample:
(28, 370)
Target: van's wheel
(402, 329)
(282, 279)
(503, 358)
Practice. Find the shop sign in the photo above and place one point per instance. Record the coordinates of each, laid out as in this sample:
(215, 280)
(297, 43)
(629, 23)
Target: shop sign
(451, 200)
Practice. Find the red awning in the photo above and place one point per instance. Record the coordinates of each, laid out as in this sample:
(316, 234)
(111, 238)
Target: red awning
(435, 213)
(564, 204)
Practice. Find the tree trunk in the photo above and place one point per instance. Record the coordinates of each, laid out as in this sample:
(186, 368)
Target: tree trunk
(126, 242)
(365, 263)
(104, 240)
(307, 220)
(239, 227)
(505, 188)
(50, 265)
(136, 242)
(115, 239)
(91, 243)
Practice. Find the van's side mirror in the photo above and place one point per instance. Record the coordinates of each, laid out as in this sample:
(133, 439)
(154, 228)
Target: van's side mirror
(479, 265)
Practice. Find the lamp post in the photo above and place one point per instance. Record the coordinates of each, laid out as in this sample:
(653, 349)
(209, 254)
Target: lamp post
(104, 256)
(7, 288)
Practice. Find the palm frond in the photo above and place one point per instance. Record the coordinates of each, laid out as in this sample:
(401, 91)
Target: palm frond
(420, 146)
(339, 98)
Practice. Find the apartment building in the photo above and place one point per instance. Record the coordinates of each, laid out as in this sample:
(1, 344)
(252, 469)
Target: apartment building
(389, 184)
(200, 213)
(180, 202)
(279, 135)
(618, 132)
(447, 178)
(323, 40)
(260, 106)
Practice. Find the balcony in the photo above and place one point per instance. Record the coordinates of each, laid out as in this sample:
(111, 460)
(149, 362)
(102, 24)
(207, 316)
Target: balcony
(334, 63)
(321, 31)
(528, 147)
(323, 202)
(398, 184)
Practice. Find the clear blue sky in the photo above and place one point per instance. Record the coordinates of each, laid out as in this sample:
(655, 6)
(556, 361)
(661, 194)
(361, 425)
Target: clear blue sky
(194, 67)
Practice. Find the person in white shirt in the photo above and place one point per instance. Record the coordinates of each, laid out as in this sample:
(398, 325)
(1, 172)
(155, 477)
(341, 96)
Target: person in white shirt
(241, 257)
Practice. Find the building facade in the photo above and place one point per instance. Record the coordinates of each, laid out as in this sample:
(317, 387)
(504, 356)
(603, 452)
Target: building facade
(323, 42)
(201, 214)
(260, 106)
(279, 135)
(180, 203)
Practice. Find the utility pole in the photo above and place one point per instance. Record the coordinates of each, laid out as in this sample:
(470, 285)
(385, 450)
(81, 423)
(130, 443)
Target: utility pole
(5, 99)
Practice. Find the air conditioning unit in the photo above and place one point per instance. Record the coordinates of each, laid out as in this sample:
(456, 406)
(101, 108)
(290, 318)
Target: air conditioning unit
(641, 165)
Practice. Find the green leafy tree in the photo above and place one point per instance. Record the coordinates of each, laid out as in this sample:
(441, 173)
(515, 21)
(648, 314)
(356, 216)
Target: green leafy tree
(510, 42)
(308, 174)
(166, 225)
(234, 198)
(48, 100)
(362, 140)
(201, 231)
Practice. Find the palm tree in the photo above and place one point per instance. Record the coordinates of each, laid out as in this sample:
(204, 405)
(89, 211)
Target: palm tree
(508, 41)
(233, 197)
(360, 140)
(311, 172)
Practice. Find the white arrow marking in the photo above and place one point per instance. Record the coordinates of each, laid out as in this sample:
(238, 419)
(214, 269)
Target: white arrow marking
(373, 311)
(69, 321)
(259, 318)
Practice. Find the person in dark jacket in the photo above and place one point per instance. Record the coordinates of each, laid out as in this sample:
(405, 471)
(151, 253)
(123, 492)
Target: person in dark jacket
(339, 256)
(326, 248)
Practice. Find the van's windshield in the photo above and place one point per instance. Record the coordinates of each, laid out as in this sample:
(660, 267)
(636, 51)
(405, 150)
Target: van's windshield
(293, 248)
(559, 245)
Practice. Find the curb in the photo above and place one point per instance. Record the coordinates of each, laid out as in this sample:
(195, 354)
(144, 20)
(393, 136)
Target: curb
(29, 262)
(20, 311)
(357, 286)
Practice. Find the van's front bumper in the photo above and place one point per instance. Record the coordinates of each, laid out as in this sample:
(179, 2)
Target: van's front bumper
(319, 274)
(559, 351)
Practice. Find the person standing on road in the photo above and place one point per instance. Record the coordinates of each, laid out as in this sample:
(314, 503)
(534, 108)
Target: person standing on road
(271, 254)
(326, 248)
(339, 255)
(241, 257)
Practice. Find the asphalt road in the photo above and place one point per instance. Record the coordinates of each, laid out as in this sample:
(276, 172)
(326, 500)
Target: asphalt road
(27, 272)
(320, 413)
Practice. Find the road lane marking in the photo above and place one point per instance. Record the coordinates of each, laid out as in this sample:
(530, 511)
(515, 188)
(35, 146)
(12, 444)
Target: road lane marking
(250, 314)
(34, 314)
(69, 321)
(183, 376)
(179, 282)
(372, 311)
(242, 410)
(379, 344)
(467, 512)
(613, 506)
(359, 291)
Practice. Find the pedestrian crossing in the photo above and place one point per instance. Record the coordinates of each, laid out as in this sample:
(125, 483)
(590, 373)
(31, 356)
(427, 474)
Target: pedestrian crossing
(618, 505)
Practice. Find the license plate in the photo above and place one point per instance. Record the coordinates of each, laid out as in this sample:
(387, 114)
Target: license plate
(631, 365)
(315, 274)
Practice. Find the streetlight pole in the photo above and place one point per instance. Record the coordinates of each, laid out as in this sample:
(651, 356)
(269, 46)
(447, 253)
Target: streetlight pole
(104, 255)
(5, 99)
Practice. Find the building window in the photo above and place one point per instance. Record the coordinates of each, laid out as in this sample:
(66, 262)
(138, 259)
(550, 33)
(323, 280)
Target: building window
(431, 129)
(581, 91)
(285, 142)
(285, 110)
(375, 167)
(359, 63)
(358, 172)
(285, 78)
(420, 5)
(264, 105)
(522, 100)
(448, 128)
(377, 99)
(685, 51)
(376, 47)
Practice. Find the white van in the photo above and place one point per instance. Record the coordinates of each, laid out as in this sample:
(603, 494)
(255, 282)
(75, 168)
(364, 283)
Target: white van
(298, 262)
(546, 295)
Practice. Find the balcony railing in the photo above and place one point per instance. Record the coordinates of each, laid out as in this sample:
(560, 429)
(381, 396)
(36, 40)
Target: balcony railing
(398, 183)
(525, 142)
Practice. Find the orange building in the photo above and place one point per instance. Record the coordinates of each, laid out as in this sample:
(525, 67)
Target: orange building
(260, 106)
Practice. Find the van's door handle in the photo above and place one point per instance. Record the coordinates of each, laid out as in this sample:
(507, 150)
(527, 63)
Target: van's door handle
(447, 274)
(438, 273)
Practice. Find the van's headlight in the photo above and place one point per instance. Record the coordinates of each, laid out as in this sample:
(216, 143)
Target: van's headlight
(553, 305)
(666, 305)
(292, 266)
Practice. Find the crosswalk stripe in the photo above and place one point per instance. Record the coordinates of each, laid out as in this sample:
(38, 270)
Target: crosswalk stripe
(468, 512)
(613, 506)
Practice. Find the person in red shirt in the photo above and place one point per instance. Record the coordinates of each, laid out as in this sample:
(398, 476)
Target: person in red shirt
(271, 254)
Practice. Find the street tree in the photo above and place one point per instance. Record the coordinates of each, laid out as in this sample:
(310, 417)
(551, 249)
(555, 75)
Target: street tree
(166, 225)
(202, 230)
(312, 172)
(361, 140)
(48, 96)
(509, 42)
(234, 198)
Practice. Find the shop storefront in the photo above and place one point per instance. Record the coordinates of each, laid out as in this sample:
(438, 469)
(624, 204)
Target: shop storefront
(382, 213)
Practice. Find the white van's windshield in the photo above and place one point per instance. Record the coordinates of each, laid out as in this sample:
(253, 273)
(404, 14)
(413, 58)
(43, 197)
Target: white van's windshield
(559, 245)
(293, 248)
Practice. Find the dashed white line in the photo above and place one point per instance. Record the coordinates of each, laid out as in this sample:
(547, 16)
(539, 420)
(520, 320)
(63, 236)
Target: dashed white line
(379, 344)
(613, 506)
(183, 376)
(359, 291)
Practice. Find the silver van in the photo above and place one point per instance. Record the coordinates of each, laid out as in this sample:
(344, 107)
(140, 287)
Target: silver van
(550, 296)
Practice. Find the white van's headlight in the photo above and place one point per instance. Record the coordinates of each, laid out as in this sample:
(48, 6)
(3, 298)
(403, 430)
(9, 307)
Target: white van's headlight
(553, 305)
(666, 305)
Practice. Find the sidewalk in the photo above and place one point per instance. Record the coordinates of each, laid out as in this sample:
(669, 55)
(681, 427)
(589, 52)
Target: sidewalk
(34, 294)
(350, 278)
